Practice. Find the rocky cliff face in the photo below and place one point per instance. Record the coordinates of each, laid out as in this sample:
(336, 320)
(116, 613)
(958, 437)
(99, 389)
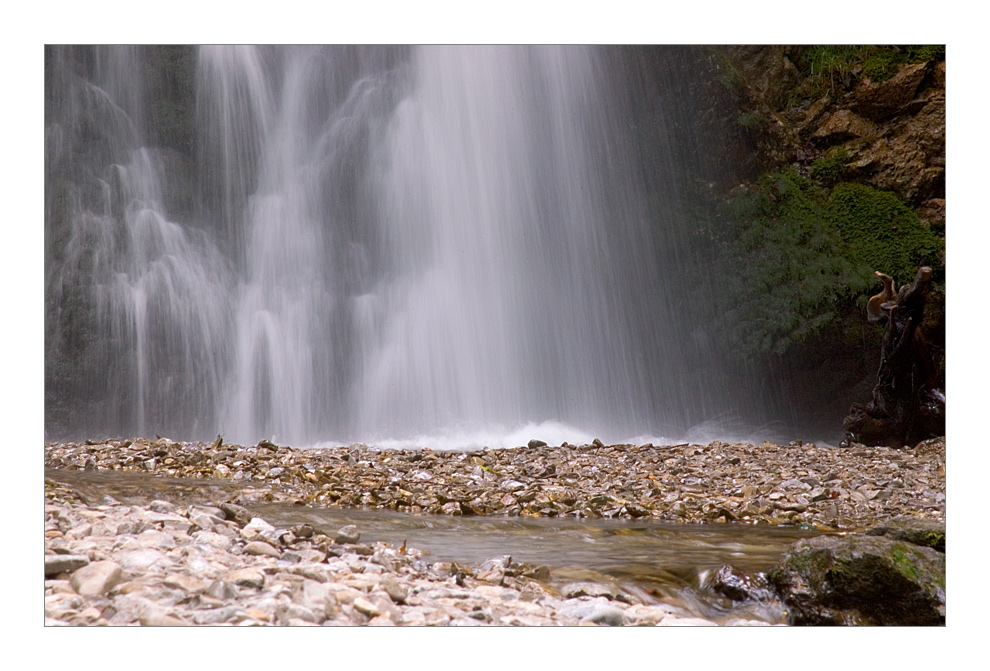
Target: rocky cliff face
(889, 133)
(846, 143)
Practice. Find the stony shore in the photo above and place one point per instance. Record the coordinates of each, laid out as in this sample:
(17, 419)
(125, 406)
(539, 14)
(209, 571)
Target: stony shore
(173, 565)
(829, 488)
(209, 561)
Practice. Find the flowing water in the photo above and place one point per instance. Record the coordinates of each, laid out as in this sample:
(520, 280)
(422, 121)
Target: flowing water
(650, 561)
(372, 243)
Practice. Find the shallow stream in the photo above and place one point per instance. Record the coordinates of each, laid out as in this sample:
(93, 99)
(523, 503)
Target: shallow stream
(656, 562)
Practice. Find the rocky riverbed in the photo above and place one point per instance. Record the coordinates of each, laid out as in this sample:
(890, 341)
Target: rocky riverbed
(174, 565)
(798, 484)
(203, 558)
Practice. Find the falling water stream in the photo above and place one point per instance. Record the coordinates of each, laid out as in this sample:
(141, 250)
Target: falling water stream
(367, 243)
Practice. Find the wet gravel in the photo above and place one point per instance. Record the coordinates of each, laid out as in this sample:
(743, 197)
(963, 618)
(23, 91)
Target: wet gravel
(822, 487)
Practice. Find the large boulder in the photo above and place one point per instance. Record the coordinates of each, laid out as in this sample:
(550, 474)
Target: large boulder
(861, 580)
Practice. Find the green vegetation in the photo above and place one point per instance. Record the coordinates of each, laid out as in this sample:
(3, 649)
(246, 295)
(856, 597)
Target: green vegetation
(805, 256)
(829, 169)
(832, 67)
(832, 64)
(903, 562)
(881, 231)
(881, 65)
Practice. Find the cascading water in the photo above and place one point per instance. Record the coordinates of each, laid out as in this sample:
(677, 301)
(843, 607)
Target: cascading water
(385, 243)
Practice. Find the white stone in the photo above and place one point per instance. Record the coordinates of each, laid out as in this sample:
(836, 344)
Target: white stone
(97, 578)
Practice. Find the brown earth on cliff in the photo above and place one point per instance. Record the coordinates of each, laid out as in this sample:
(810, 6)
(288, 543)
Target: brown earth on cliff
(892, 131)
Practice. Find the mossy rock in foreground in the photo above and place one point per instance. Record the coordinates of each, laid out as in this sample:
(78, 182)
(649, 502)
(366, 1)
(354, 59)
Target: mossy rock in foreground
(861, 580)
(927, 533)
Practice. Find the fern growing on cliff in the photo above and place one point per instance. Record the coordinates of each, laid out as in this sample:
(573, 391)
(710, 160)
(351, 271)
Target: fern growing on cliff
(801, 256)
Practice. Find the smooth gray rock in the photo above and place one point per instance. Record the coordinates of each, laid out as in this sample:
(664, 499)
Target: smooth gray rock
(144, 560)
(239, 514)
(592, 589)
(598, 610)
(261, 548)
(97, 579)
(55, 564)
(347, 535)
(396, 590)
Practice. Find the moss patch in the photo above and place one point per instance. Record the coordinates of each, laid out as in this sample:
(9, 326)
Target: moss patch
(881, 231)
(903, 562)
(804, 255)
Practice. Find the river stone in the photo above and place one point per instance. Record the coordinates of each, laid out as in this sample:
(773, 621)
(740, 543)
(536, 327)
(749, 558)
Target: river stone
(239, 514)
(312, 571)
(212, 511)
(261, 548)
(257, 527)
(222, 590)
(396, 590)
(348, 535)
(598, 610)
(202, 520)
(97, 579)
(152, 538)
(315, 596)
(187, 583)
(213, 539)
(916, 530)
(735, 585)
(871, 580)
(246, 577)
(452, 508)
(129, 608)
(643, 614)
(55, 564)
(169, 521)
(158, 618)
(217, 615)
(593, 589)
(740, 622)
(295, 611)
(362, 605)
(143, 560)
(160, 506)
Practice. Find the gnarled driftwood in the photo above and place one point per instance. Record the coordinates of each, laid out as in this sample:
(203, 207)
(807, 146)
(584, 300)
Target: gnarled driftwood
(907, 405)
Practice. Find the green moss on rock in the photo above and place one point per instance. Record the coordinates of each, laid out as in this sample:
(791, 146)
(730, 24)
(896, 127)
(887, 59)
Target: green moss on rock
(861, 580)
(881, 231)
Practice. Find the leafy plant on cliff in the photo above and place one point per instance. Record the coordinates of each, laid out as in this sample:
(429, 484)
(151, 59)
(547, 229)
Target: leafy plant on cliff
(803, 256)
(789, 279)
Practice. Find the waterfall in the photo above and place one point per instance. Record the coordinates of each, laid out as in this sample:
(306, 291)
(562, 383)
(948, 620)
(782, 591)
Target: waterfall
(359, 243)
